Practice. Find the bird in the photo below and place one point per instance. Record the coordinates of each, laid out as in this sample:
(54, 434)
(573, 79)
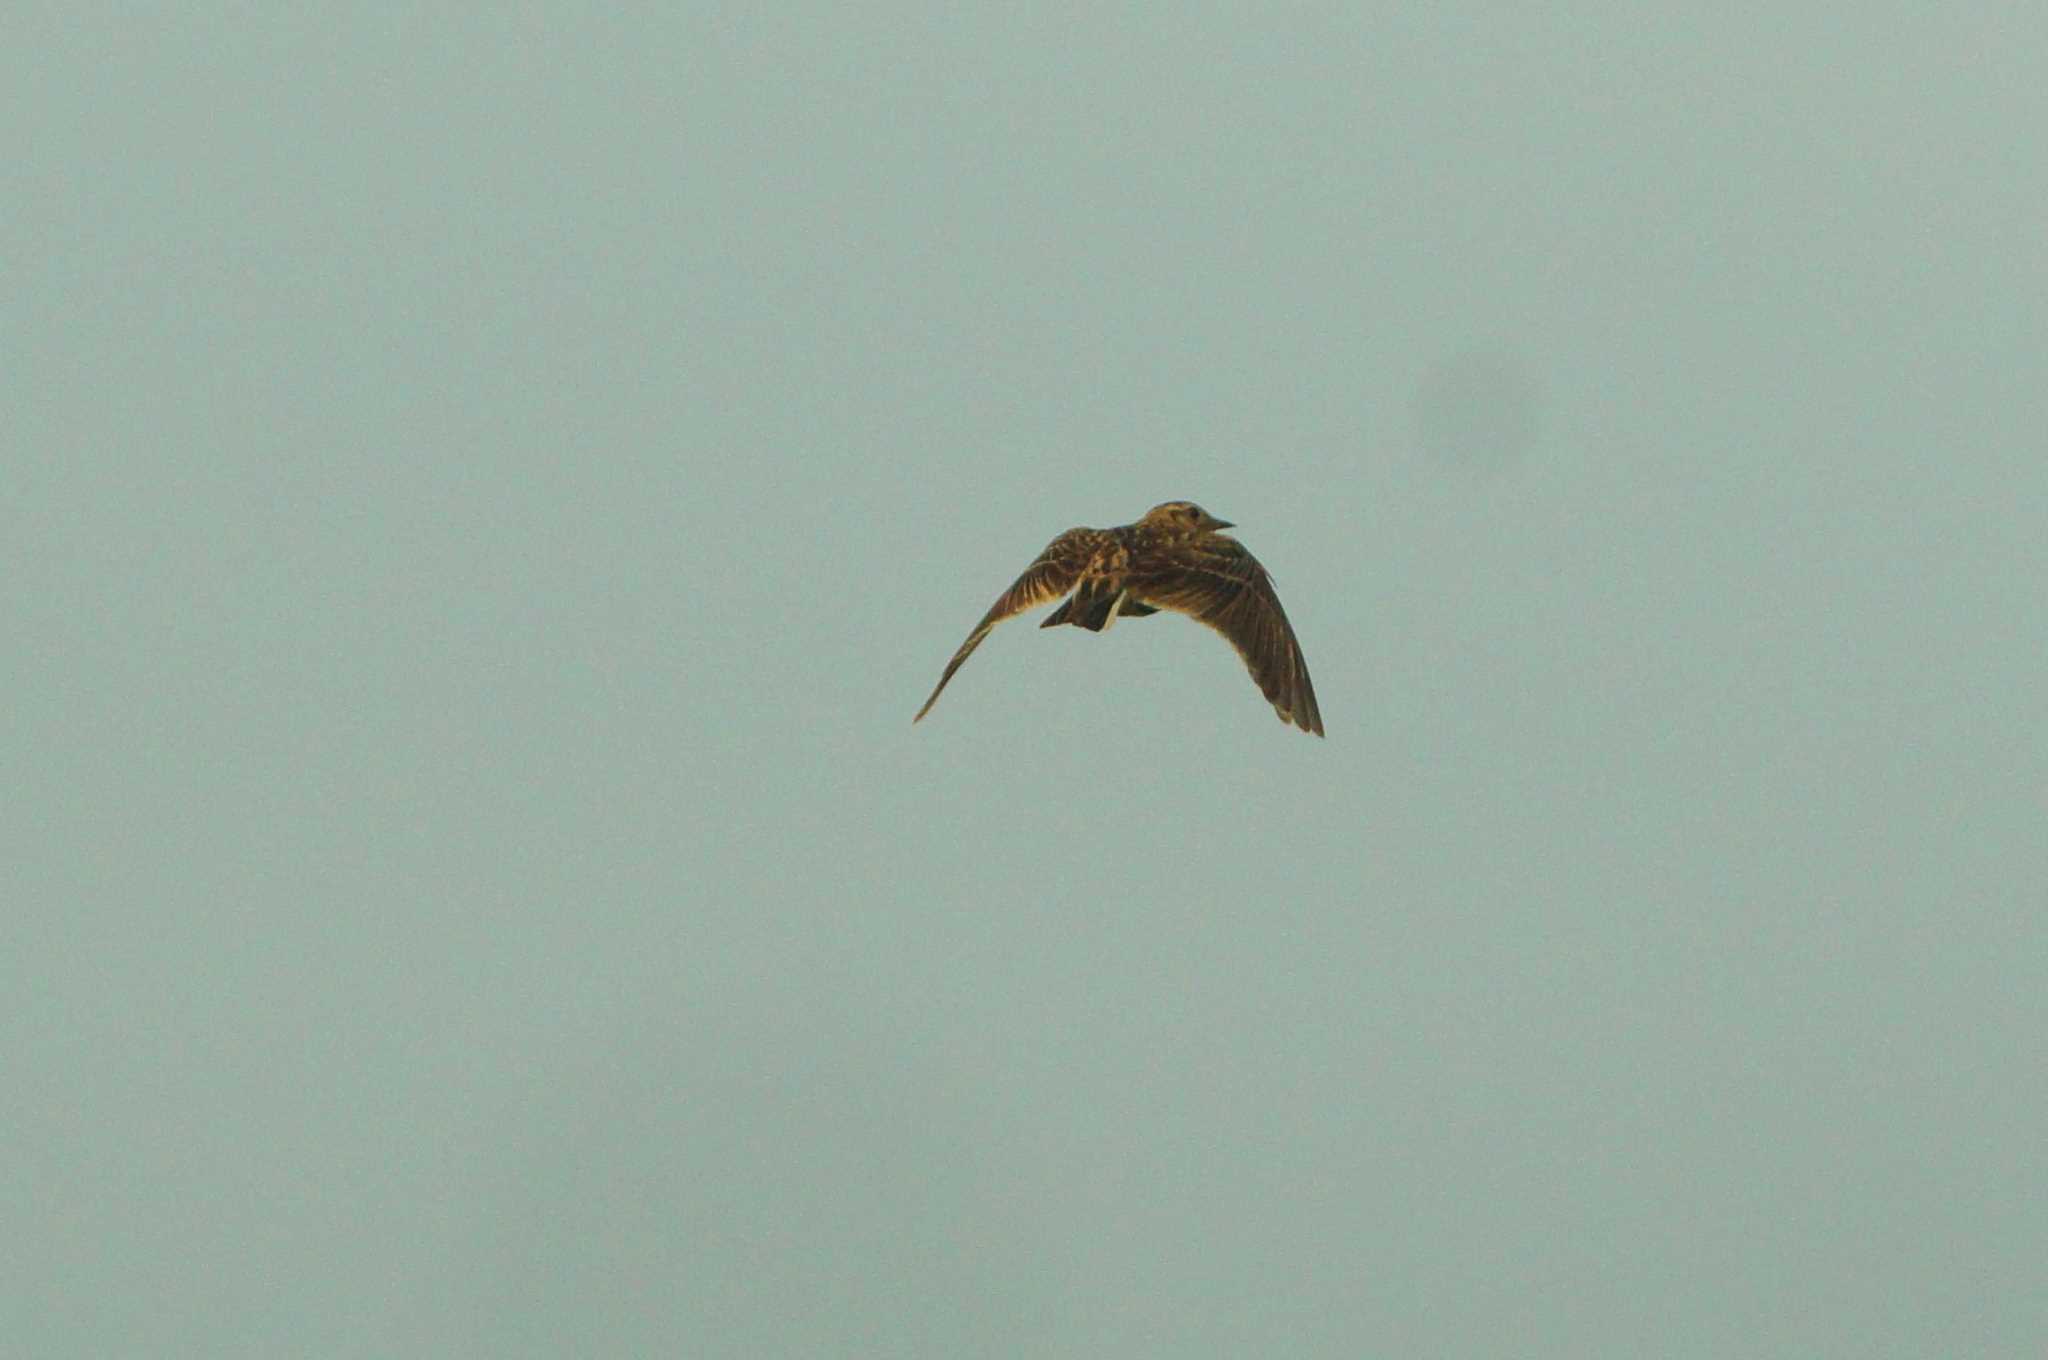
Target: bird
(1175, 558)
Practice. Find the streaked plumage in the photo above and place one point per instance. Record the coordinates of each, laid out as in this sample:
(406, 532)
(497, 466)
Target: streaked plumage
(1174, 558)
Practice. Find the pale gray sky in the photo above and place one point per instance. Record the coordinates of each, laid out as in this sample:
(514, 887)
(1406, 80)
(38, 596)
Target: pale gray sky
(486, 492)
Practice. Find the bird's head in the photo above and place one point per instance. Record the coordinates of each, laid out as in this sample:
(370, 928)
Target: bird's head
(1184, 517)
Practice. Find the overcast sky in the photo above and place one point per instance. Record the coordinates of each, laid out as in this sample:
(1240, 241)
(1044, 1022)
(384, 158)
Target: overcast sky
(487, 488)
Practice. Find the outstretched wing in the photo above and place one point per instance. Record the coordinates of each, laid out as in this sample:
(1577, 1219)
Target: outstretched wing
(1051, 576)
(1216, 581)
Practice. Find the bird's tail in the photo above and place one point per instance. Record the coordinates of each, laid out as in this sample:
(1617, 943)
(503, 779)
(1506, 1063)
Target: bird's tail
(1095, 606)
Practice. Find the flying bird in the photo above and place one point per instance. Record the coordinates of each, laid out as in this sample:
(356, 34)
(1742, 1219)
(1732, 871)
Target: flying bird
(1176, 558)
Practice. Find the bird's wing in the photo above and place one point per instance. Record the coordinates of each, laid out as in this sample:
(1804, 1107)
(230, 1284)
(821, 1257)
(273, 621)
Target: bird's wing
(1216, 581)
(1051, 576)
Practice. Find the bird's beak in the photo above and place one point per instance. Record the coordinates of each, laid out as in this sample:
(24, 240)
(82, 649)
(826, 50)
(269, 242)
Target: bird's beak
(1221, 524)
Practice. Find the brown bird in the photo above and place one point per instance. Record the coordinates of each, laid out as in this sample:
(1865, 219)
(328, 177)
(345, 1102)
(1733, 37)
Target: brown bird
(1174, 558)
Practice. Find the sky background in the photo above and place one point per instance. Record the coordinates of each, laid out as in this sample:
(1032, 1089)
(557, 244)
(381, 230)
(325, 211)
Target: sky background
(486, 489)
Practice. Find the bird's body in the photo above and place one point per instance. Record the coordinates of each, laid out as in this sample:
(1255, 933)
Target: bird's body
(1174, 558)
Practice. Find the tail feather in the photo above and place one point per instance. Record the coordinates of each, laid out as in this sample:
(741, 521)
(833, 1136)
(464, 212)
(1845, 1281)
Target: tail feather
(1095, 606)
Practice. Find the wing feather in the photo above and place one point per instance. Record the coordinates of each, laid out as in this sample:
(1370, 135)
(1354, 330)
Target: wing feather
(1218, 582)
(1051, 576)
